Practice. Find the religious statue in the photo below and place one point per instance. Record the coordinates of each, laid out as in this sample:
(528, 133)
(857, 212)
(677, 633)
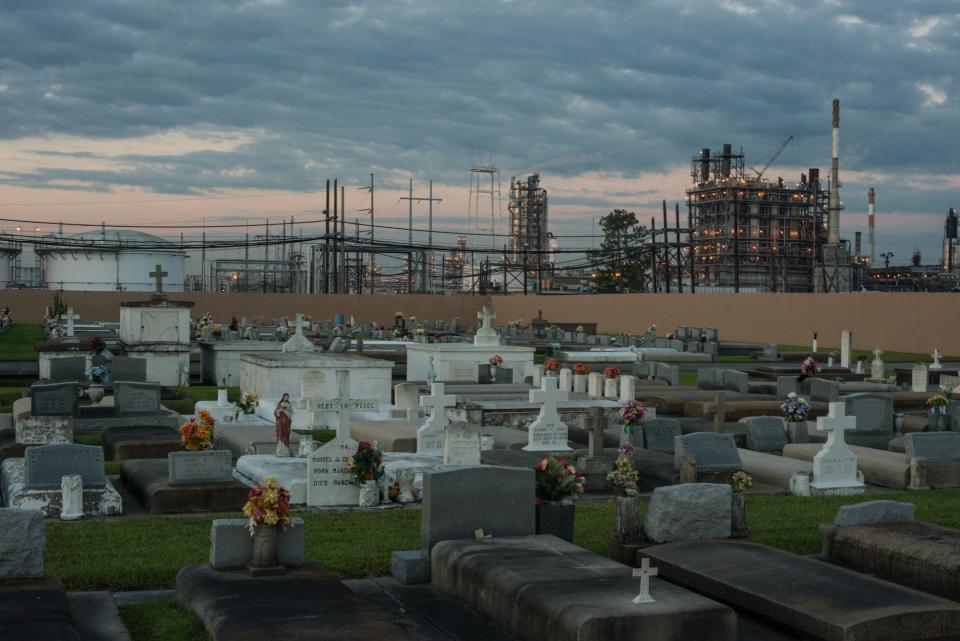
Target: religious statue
(284, 415)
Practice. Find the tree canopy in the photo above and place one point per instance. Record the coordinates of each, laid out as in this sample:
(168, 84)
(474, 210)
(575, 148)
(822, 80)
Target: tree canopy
(620, 263)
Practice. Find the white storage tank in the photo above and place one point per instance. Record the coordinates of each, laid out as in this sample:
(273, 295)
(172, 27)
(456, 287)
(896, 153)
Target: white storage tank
(7, 254)
(112, 260)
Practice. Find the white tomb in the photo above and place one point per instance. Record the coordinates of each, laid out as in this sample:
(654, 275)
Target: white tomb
(222, 410)
(547, 433)
(329, 482)
(835, 465)
(430, 435)
(461, 362)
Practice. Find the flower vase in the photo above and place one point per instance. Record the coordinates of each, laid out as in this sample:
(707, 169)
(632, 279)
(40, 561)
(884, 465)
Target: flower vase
(627, 519)
(579, 383)
(369, 494)
(556, 518)
(738, 516)
(95, 393)
(610, 388)
(935, 423)
(493, 373)
(263, 560)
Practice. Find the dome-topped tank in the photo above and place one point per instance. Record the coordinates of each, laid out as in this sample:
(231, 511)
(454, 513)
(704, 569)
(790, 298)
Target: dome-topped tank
(112, 260)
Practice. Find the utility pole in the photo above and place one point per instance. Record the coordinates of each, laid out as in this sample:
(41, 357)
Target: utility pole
(336, 232)
(373, 255)
(266, 254)
(410, 200)
(679, 253)
(326, 243)
(343, 241)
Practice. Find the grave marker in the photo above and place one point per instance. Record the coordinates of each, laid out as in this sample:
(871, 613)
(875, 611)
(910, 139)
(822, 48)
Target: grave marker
(919, 378)
(547, 433)
(45, 466)
(54, 399)
(846, 347)
(876, 367)
(461, 445)
(835, 466)
(131, 398)
(211, 466)
(329, 482)
(644, 572)
(430, 434)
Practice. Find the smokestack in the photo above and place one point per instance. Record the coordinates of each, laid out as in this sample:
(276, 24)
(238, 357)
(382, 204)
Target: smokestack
(833, 228)
(870, 227)
(856, 243)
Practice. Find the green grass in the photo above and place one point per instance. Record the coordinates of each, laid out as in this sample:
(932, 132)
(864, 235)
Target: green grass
(16, 344)
(10, 394)
(688, 378)
(161, 620)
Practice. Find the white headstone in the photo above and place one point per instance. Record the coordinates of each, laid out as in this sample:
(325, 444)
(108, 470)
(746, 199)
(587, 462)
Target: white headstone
(299, 342)
(628, 388)
(876, 367)
(920, 378)
(70, 317)
(547, 433)
(594, 384)
(644, 572)
(461, 445)
(537, 375)
(430, 434)
(71, 488)
(835, 466)
(486, 335)
(936, 360)
(846, 347)
(566, 378)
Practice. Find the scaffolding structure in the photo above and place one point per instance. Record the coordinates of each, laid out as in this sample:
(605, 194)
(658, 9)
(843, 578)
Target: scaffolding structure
(750, 234)
(529, 246)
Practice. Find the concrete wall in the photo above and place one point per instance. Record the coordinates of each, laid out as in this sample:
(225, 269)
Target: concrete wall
(901, 322)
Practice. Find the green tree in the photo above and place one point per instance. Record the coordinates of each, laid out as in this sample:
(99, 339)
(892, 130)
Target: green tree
(620, 263)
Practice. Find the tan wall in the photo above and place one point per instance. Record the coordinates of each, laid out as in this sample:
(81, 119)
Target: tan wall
(28, 306)
(901, 322)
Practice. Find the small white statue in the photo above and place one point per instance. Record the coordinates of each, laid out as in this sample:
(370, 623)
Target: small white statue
(405, 480)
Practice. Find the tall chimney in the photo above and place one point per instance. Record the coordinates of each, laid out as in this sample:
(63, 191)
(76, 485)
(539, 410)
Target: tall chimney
(870, 227)
(833, 227)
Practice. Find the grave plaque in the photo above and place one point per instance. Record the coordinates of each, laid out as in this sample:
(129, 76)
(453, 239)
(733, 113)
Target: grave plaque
(46, 465)
(461, 445)
(125, 368)
(54, 399)
(920, 377)
(131, 398)
(714, 452)
(934, 446)
(659, 434)
(68, 369)
(765, 434)
(329, 482)
(199, 467)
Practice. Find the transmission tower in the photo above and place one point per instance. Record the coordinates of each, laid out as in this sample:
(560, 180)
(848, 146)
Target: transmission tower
(484, 185)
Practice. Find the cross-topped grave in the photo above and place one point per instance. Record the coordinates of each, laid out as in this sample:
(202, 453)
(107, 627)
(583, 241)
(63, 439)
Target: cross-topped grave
(158, 274)
(876, 367)
(547, 433)
(486, 335)
(835, 466)
(299, 341)
(644, 572)
(430, 435)
(69, 317)
(936, 360)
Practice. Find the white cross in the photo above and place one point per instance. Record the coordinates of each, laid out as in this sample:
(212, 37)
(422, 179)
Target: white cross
(437, 401)
(547, 398)
(69, 317)
(158, 275)
(343, 405)
(644, 572)
(877, 353)
(936, 359)
(485, 316)
(300, 324)
(836, 422)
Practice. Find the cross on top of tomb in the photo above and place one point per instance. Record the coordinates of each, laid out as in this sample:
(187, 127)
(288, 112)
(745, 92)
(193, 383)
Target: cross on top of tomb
(485, 315)
(343, 405)
(69, 316)
(437, 401)
(598, 423)
(644, 572)
(300, 324)
(159, 274)
(877, 353)
(547, 398)
(936, 359)
(837, 422)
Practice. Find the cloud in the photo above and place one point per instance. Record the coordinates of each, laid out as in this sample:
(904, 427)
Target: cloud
(932, 96)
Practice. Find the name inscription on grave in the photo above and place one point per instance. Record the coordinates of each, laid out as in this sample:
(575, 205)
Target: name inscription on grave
(329, 481)
(199, 467)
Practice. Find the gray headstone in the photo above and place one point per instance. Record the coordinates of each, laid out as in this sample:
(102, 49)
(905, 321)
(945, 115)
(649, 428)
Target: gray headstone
(714, 452)
(711, 348)
(667, 373)
(453, 508)
(231, 545)
(707, 378)
(934, 446)
(675, 344)
(659, 434)
(688, 512)
(711, 334)
(643, 368)
(766, 433)
(68, 368)
(953, 416)
(736, 381)
(212, 466)
(824, 391)
(787, 385)
(874, 512)
(693, 346)
(22, 543)
(125, 368)
(47, 464)
(874, 412)
(660, 342)
(54, 399)
(131, 399)
(683, 333)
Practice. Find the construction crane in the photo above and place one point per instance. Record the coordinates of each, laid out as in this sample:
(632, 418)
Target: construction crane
(774, 156)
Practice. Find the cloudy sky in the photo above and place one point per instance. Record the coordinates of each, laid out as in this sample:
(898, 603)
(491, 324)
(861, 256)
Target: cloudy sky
(179, 111)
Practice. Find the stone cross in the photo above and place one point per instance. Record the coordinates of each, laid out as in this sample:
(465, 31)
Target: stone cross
(547, 398)
(158, 274)
(836, 422)
(437, 401)
(485, 316)
(300, 324)
(835, 465)
(343, 405)
(430, 435)
(598, 423)
(936, 359)
(644, 572)
(69, 317)
(876, 367)
(719, 411)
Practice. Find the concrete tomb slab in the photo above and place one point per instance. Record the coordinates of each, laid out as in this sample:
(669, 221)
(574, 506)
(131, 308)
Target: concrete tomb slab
(148, 481)
(765, 433)
(139, 442)
(694, 511)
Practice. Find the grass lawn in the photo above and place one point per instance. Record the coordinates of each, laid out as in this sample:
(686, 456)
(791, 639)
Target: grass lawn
(16, 344)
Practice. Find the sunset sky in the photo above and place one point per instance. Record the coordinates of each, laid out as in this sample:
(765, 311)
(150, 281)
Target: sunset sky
(178, 112)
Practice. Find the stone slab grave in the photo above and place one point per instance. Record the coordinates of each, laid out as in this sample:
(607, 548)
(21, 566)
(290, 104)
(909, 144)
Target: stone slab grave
(879, 467)
(934, 459)
(773, 470)
(811, 599)
(139, 442)
(71, 369)
(882, 539)
(704, 457)
(185, 482)
(35, 480)
(290, 472)
(539, 587)
(308, 603)
(765, 433)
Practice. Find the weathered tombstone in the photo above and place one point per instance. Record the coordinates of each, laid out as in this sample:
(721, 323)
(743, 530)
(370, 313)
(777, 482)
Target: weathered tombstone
(329, 481)
(765, 433)
(823, 391)
(547, 433)
(212, 466)
(712, 348)
(707, 378)
(54, 399)
(787, 385)
(934, 446)
(124, 368)
(705, 454)
(874, 412)
(667, 373)
(22, 543)
(690, 512)
(660, 434)
(46, 465)
(461, 445)
(920, 377)
(835, 466)
(131, 399)
(459, 501)
(876, 366)
(430, 434)
(736, 381)
(846, 347)
(67, 369)
(675, 345)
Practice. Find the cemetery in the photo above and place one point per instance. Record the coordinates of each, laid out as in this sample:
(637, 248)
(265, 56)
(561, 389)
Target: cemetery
(165, 475)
